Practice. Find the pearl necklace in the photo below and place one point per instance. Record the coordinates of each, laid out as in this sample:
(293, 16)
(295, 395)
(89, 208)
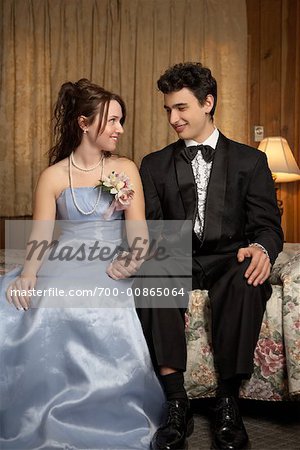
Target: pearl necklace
(82, 168)
(85, 213)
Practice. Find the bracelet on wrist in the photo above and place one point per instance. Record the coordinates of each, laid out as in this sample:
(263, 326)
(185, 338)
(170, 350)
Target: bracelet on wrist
(262, 248)
(119, 254)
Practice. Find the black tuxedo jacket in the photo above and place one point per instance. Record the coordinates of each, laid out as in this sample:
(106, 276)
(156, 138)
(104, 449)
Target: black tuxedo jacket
(241, 204)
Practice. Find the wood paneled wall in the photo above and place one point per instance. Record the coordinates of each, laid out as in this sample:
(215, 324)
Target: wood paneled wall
(274, 87)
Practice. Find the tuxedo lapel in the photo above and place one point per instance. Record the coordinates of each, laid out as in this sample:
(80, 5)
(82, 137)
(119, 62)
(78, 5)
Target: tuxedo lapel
(185, 180)
(215, 200)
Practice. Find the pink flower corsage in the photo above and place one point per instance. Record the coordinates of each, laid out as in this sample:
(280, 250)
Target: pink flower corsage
(118, 185)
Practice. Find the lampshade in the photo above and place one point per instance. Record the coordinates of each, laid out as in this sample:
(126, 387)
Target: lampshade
(280, 159)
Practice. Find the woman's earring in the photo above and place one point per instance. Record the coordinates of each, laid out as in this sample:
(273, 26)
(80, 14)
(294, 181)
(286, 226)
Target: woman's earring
(85, 130)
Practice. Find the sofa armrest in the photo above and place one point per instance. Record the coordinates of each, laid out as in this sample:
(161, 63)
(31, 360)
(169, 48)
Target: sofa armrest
(280, 266)
(290, 277)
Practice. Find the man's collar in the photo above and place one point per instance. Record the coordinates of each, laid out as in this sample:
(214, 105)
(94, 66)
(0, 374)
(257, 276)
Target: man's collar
(211, 140)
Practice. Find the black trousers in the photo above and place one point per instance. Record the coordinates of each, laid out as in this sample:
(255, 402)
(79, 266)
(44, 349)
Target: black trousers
(237, 313)
(162, 316)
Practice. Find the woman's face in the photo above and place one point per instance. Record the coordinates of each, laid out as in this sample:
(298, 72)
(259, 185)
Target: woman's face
(108, 139)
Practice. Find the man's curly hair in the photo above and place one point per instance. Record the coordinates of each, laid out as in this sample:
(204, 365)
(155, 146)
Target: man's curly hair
(192, 76)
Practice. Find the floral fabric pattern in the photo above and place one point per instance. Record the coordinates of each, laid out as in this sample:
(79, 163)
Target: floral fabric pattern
(276, 373)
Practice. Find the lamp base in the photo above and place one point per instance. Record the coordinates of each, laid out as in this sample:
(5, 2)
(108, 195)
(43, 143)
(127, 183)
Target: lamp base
(279, 202)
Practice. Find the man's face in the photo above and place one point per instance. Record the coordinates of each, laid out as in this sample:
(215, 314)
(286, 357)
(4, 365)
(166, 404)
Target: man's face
(189, 119)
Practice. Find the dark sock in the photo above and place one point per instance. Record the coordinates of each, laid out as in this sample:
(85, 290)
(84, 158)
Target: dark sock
(173, 385)
(229, 387)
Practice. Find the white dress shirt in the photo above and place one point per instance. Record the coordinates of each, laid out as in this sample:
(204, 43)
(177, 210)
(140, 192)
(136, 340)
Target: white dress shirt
(201, 170)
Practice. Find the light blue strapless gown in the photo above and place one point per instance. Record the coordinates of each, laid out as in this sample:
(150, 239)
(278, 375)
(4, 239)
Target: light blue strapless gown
(76, 371)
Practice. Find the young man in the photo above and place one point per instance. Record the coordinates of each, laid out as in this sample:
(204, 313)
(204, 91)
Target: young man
(227, 190)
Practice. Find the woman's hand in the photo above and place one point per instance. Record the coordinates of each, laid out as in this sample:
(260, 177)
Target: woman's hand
(123, 267)
(17, 292)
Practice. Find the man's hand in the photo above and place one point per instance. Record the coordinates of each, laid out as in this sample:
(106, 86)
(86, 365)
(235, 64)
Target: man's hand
(122, 267)
(260, 267)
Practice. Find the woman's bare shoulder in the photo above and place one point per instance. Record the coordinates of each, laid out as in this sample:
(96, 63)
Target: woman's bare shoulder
(55, 176)
(125, 163)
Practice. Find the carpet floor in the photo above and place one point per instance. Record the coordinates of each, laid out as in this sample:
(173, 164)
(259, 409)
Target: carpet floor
(270, 425)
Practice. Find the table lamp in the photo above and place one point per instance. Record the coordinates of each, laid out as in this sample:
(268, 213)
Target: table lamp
(281, 161)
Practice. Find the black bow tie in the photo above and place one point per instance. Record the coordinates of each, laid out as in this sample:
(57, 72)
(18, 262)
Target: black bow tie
(207, 151)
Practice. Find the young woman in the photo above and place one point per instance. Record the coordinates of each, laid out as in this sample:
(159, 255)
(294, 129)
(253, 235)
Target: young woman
(75, 368)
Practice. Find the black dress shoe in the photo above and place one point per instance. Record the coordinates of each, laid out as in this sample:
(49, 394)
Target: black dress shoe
(177, 427)
(229, 432)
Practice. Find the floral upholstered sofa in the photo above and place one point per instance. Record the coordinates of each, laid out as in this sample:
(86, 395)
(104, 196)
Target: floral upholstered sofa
(277, 356)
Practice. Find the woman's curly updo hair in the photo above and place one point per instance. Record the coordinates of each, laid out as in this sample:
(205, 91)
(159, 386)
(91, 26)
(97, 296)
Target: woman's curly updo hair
(82, 98)
(192, 76)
